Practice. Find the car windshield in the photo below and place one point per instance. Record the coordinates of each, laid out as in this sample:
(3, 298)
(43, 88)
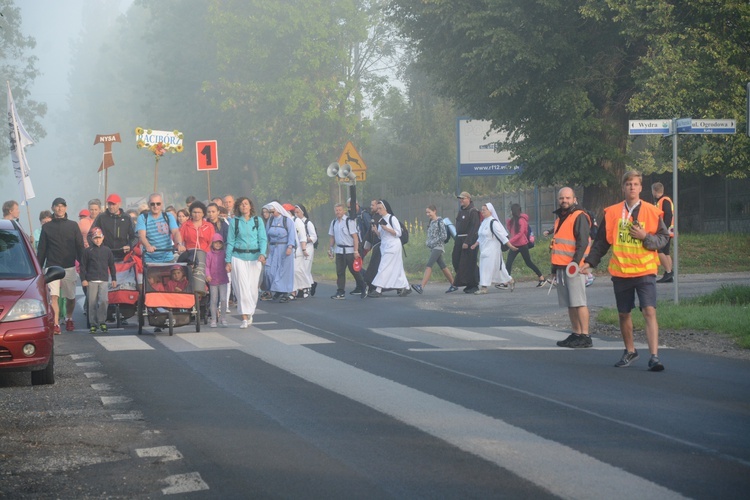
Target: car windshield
(15, 261)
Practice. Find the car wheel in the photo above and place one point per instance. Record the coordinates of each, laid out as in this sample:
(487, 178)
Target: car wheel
(47, 375)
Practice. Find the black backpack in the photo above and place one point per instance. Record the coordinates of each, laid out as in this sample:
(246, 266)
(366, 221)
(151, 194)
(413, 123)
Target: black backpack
(308, 221)
(404, 232)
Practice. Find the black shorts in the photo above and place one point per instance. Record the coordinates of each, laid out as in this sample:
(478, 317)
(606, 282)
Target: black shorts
(665, 250)
(626, 289)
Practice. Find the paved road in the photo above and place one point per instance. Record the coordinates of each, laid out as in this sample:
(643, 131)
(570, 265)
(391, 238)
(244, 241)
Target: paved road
(425, 396)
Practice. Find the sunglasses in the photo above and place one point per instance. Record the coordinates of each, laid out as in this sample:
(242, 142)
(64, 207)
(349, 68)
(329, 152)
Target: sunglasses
(153, 204)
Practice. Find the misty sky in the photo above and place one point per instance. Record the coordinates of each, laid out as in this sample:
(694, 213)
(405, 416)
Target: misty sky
(54, 24)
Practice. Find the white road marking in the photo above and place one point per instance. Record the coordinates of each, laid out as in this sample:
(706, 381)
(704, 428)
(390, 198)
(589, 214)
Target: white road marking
(460, 333)
(101, 387)
(552, 466)
(84, 355)
(296, 337)
(184, 483)
(115, 400)
(89, 364)
(388, 332)
(164, 453)
(123, 343)
(133, 415)
(208, 340)
(95, 375)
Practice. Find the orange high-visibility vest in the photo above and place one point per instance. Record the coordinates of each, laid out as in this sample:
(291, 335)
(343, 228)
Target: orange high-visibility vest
(630, 259)
(564, 241)
(660, 205)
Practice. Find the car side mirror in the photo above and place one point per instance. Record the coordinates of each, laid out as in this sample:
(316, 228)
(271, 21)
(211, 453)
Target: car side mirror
(53, 273)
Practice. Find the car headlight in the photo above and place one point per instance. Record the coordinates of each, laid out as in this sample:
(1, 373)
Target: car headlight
(25, 309)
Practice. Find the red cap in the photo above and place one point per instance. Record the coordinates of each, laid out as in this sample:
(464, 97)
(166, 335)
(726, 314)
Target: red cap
(84, 213)
(113, 198)
(288, 207)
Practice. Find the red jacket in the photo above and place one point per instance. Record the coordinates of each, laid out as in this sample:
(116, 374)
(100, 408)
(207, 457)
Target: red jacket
(202, 235)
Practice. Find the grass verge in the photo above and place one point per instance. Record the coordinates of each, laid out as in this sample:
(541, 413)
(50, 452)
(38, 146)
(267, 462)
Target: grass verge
(725, 310)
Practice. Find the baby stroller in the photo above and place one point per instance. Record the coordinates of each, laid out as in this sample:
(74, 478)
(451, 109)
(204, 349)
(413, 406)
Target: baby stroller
(167, 299)
(123, 299)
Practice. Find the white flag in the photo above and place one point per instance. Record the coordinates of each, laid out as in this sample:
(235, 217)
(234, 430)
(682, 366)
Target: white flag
(19, 140)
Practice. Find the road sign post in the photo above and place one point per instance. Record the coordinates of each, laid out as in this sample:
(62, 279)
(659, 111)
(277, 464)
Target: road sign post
(675, 127)
(207, 159)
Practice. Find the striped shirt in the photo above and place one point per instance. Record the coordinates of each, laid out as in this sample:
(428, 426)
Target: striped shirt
(158, 233)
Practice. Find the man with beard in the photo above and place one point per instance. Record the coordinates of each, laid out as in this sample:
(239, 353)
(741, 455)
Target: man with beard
(570, 244)
(464, 257)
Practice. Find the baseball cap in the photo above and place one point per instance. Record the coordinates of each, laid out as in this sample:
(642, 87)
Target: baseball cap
(114, 198)
(463, 194)
(83, 213)
(288, 207)
(59, 201)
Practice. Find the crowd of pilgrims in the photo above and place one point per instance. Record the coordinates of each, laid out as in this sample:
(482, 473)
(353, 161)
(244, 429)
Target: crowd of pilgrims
(267, 255)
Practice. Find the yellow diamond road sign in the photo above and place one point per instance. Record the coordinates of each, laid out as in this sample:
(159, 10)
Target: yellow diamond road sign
(351, 156)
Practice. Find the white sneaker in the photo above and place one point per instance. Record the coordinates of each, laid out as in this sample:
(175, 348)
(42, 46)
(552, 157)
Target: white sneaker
(250, 321)
(224, 322)
(228, 311)
(212, 324)
(244, 324)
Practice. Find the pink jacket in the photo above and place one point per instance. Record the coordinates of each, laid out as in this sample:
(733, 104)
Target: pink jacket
(215, 265)
(518, 238)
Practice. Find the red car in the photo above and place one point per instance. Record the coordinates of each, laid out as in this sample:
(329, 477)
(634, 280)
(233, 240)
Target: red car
(26, 318)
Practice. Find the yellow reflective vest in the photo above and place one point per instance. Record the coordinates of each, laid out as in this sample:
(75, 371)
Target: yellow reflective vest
(630, 259)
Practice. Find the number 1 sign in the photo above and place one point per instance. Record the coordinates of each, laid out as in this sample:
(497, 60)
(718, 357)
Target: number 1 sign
(207, 155)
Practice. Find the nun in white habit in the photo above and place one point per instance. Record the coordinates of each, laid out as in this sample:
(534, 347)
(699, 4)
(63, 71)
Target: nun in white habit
(491, 236)
(391, 273)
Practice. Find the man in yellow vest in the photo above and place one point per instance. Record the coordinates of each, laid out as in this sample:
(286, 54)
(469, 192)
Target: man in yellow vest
(635, 231)
(570, 244)
(664, 203)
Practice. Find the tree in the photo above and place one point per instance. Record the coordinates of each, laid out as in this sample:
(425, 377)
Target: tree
(18, 67)
(558, 76)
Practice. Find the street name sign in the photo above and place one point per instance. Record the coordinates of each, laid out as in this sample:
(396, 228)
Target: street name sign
(711, 126)
(648, 127)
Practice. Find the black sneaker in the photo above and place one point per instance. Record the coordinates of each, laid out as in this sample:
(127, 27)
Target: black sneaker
(654, 365)
(417, 288)
(627, 359)
(567, 341)
(312, 288)
(581, 342)
(667, 278)
(375, 294)
(471, 289)
(356, 291)
(451, 289)
(339, 295)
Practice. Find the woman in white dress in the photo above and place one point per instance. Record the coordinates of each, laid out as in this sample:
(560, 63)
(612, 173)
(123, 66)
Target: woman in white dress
(491, 236)
(391, 273)
(310, 236)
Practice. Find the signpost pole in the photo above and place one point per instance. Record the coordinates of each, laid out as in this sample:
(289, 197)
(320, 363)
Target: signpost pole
(675, 261)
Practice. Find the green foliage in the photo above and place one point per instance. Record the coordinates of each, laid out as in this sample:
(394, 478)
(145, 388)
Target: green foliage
(18, 67)
(563, 78)
(281, 86)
